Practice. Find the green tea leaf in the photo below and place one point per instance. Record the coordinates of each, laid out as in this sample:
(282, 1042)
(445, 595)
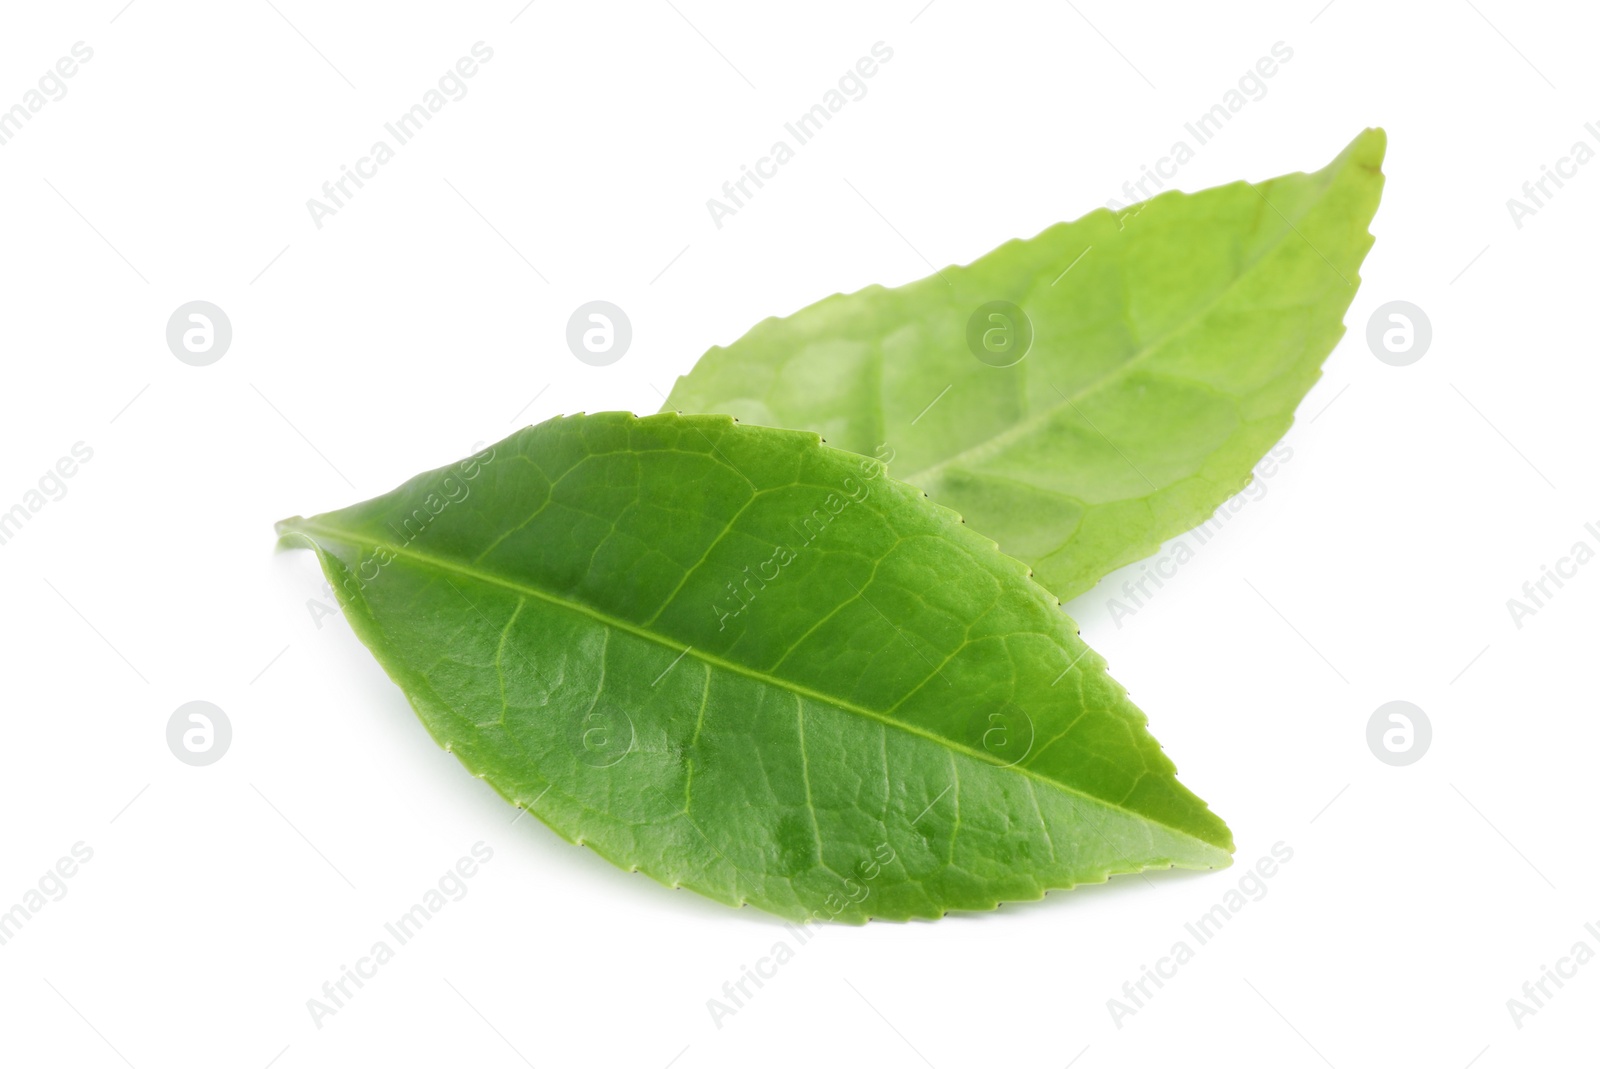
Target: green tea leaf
(1170, 344)
(752, 665)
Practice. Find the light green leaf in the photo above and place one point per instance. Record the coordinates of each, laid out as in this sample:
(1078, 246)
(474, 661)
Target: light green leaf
(753, 665)
(1171, 344)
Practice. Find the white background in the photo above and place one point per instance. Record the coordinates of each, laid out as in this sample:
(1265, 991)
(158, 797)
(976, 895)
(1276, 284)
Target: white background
(416, 322)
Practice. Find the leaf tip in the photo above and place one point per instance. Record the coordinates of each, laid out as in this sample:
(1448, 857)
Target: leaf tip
(1366, 151)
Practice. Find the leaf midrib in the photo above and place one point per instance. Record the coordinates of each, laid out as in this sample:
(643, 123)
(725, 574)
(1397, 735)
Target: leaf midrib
(1031, 423)
(308, 527)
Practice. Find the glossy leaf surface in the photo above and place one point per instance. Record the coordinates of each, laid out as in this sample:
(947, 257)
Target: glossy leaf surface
(752, 665)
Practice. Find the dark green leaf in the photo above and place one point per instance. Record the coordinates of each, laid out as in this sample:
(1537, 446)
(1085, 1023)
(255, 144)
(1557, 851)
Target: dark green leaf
(753, 665)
